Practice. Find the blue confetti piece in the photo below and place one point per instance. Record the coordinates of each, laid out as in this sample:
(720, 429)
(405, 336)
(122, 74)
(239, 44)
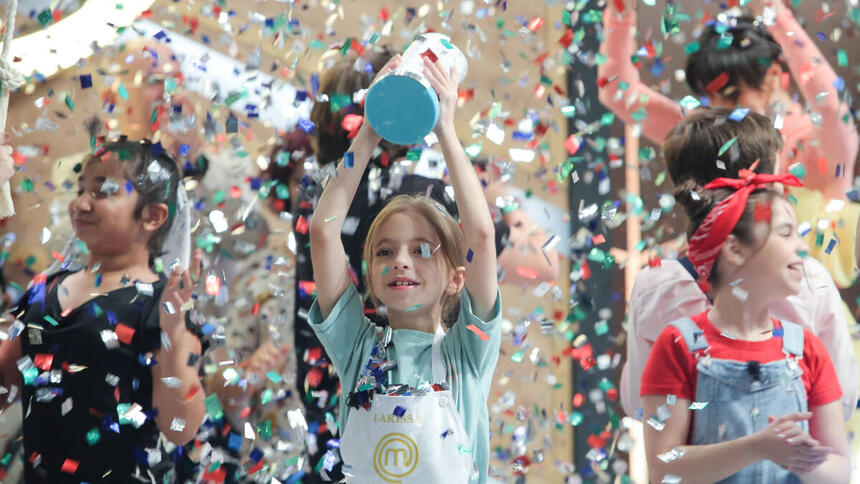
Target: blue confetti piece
(315, 83)
(830, 245)
(256, 454)
(86, 81)
(469, 255)
(821, 36)
(301, 95)
(158, 35)
(778, 332)
(399, 411)
(739, 114)
(270, 22)
(306, 125)
(256, 183)
(184, 149)
(349, 159)
(235, 441)
(111, 317)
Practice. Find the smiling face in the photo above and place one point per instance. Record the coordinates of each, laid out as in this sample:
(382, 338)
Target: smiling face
(774, 267)
(103, 212)
(408, 270)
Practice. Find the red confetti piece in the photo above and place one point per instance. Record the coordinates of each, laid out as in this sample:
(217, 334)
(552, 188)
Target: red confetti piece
(69, 466)
(314, 377)
(302, 225)
(235, 192)
(571, 144)
(478, 332)
(43, 361)
(192, 392)
(527, 272)
(619, 5)
(761, 212)
(430, 55)
(535, 24)
(822, 165)
(718, 83)
(124, 333)
(598, 239)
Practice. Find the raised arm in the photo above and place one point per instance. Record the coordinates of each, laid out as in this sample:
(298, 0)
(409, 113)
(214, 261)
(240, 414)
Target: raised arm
(331, 270)
(618, 70)
(837, 135)
(475, 217)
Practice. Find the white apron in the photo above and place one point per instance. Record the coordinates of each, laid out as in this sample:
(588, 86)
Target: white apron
(427, 444)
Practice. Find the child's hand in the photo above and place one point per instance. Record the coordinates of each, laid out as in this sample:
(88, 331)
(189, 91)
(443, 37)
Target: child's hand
(177, 292)
(7, 165)
(268, 357)
(787, 444)
(445, 85)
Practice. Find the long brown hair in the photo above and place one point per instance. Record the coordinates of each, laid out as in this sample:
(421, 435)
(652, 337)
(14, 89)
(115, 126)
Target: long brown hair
(453, 242)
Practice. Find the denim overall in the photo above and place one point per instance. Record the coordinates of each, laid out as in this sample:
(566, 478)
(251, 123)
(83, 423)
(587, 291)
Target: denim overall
(741, 396)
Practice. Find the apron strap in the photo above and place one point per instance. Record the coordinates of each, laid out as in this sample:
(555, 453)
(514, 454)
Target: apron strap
(792, 339)
(693, 335)
(436, 354)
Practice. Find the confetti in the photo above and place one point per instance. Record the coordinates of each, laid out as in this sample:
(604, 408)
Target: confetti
(478, 331)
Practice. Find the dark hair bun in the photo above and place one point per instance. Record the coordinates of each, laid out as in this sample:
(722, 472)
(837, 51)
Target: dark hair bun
(697, 201)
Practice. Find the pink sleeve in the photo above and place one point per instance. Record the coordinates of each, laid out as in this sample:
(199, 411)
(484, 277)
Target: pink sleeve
(617, 46)
(831, 327)
(837, 136)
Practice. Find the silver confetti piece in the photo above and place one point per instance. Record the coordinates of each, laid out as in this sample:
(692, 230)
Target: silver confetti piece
(177, 425)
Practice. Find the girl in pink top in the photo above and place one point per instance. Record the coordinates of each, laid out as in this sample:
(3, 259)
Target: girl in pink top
(748, 73)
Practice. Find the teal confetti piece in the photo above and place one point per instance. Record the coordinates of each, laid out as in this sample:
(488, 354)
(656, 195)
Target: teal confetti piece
(274, 377)
(689, 103)
(69, 103)
(797, 170)
(385, 270)
(413, 308)
(51, 320)
(728, 144)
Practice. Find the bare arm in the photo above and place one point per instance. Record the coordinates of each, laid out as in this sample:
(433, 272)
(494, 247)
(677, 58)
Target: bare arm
(526, 239)
(836, 134)
(180, 408)
(474, 211)
(10, 353)
(714, 462)
(618, 46)
(828, 428)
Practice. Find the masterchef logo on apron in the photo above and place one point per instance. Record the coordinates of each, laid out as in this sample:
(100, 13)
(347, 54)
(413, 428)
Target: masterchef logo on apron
(395, 457)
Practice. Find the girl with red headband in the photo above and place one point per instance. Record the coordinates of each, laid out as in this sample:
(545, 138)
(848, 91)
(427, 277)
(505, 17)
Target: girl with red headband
(733, 394)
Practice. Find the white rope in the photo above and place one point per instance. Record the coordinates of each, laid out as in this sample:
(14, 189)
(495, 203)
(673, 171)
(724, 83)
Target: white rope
(9, 80)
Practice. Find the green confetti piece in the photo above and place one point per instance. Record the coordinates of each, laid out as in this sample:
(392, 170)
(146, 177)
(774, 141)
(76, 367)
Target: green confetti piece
(473, 150)
(446, 43)
(841, 58)
(30, 260)
(267, 396)
(93, 436)
(413, 308)
(69, 103)
(51, 320)
(413, 155)
(317, 44)
(27, 185)
(660, 178)
(29, 375)
(576, 418)
(689, 103)
(274, 377)
(568, 111)
(797, 170)
(123, 92)
(601, 328)
(607, 119)
(518, 356)
(385, 270)
(692, 47)
(728, 144)
(725, 41)
(45, 17)
(213, 407)
(605, 384)
(639, 115)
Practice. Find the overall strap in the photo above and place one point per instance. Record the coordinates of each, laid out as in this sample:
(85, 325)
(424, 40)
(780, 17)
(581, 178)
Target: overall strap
(438, 363)
(693, 335)
(792, 339)
(685, 261)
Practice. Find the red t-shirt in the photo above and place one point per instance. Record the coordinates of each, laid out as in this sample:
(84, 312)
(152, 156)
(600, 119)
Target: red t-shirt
(671, 368)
